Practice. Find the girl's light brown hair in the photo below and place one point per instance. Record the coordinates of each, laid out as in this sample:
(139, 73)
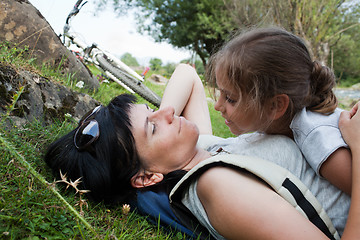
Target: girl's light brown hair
(264, 62)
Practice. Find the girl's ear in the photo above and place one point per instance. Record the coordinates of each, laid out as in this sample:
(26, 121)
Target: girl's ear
(278, 106)
(146, 179)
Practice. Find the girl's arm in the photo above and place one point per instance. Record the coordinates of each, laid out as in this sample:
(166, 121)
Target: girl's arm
(349, 124)
(337, 169)
(185, 92)
(243, 207)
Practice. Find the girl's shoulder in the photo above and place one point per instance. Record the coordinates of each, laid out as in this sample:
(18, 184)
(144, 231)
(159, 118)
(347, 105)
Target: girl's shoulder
(306, 120)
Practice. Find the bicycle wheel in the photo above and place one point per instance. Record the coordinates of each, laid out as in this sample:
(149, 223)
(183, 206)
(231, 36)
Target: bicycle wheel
(130, 81)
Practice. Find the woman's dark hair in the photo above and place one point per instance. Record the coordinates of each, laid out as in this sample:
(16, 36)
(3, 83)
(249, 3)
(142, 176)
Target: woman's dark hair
(107, 169)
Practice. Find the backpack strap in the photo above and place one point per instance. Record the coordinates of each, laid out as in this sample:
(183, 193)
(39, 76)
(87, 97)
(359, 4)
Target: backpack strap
(279, 179)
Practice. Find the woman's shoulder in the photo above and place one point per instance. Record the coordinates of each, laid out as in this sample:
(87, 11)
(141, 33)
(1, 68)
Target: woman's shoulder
(231, 198)
(225, 180)
(220, 176)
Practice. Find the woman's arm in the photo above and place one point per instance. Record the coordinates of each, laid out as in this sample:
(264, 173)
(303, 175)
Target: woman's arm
(349, 124)
(243, 207)
(185, 92)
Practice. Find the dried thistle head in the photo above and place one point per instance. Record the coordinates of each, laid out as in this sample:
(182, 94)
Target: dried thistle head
(72, 184)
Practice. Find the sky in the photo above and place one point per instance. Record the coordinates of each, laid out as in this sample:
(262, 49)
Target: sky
(114, 34)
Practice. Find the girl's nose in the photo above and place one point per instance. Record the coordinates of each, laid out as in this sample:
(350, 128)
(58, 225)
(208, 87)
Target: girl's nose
(166, 113)
(218, 105)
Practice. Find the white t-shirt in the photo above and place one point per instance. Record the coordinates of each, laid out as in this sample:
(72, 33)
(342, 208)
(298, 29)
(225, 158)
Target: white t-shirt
(317, 135)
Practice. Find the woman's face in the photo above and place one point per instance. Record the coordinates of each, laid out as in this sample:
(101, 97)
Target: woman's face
(164, 142)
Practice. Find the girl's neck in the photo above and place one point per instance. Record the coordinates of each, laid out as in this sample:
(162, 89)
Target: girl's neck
(281, 127)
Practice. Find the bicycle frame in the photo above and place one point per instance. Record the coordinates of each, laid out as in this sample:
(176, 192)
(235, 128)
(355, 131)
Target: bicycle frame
(90, 52)
(90, 55)
(113, 67)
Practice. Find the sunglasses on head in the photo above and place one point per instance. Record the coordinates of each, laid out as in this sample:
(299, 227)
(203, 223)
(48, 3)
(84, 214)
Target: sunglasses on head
(88, 130)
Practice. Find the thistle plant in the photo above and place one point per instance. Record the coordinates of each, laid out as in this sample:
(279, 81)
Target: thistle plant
(69, 183)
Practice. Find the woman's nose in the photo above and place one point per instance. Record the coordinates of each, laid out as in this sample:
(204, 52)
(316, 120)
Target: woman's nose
(166, 113)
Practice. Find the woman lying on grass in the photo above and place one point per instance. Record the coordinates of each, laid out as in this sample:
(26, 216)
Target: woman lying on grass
(125, 146)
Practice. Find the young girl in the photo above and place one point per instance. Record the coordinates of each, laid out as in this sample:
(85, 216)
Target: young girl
(269, 83)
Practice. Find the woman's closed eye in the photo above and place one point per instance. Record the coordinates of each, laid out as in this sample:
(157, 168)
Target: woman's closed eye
(150, 109)
(153, 128)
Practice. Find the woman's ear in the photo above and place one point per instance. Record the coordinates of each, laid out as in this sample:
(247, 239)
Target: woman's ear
(278, 106)
(146, 179)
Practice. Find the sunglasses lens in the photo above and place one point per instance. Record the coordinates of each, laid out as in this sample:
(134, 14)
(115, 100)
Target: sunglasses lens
(87, 134)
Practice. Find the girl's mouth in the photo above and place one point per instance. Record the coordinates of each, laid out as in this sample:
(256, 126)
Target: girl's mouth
(227, 122)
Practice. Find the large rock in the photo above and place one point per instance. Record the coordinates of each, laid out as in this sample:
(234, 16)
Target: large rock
(21, 23)
(40, 99)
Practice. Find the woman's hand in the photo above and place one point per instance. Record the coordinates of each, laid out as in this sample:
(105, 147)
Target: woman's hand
(349, 124)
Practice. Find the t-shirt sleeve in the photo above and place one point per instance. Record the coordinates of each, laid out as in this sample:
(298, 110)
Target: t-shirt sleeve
(319, 144)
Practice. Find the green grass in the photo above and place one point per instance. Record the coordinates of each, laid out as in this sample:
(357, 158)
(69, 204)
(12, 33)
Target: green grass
(30, 206)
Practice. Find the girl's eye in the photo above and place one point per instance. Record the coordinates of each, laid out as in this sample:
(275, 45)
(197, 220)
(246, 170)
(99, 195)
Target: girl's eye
(229, 100)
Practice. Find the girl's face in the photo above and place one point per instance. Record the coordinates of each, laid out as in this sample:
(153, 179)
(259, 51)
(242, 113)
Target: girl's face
(164, 142)
(238, 117)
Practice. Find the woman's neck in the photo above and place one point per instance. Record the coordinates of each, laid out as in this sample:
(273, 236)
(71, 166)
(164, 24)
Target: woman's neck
(199, 156)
